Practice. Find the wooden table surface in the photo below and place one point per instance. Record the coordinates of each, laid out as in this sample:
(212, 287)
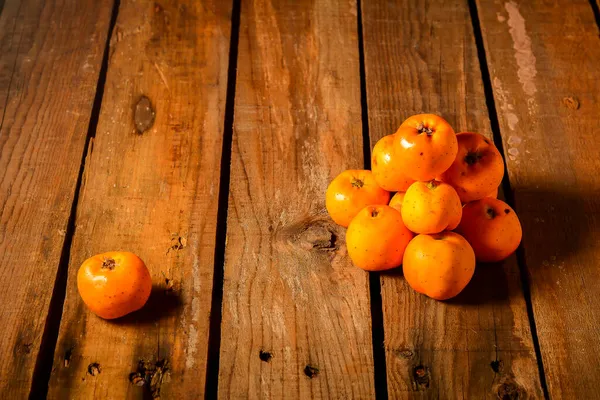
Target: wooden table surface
(257, 105)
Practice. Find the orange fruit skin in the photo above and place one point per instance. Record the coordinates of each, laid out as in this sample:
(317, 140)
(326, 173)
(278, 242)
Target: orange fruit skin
(478, 168)
(350, 192)
(396, 201)
(439, 265)
(492, 227)
(431, 207)
(386, 167)
(114, 290)
(493, 194)
(426, 146)
(376, 238)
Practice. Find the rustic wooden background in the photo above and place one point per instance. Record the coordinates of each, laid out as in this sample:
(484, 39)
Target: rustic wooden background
(258, 105)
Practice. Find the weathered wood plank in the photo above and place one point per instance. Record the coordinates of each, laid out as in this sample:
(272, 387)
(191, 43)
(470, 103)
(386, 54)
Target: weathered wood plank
(421, 57)
(543, 61)
(289, 287)
(154, 193)
(50, 57)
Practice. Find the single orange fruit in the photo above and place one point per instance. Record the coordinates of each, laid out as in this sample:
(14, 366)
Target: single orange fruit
(114, 284)
(492, 227)
(376, 238)
(439, 265)
(350, 192)
(478, 168)
(431, 207)
(425, 146)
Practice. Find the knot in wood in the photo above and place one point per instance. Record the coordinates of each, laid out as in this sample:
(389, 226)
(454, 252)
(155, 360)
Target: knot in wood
(508, 389)
(143, 115)
(404, 353)
(571, 103)
(318, 237)
(420, 377)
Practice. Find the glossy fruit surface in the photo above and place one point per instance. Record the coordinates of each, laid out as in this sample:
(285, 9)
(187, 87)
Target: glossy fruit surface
(376, 238)
(440, 265)
(350, 192)
(386, 166)
(492, 227)
(478, 168)
(426, 146)
(114, 284)
(431, 207)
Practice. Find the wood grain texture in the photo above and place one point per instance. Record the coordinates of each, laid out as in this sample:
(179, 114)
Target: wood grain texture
(421, 57)
(152, 188)
(289, 289)
(543, 61)
(50, 56)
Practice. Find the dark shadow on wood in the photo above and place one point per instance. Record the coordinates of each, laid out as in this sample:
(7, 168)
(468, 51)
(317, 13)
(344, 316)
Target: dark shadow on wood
(44, 361)
(491, 106)
(163, 303)
(377, 327)
(488, 285)
(214, 335)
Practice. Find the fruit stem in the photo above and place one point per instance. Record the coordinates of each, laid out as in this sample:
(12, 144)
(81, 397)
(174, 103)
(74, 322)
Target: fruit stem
(432, 184)
(491, 214)
(423, 129)
(374, 212)
(357, 183)
(109, 263)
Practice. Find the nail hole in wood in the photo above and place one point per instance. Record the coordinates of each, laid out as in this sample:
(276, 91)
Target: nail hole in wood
(265, 356)
(311, 371)
(94, 369)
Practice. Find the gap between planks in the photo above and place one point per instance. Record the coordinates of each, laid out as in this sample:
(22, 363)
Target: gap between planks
(377, 327)
(595, 10)
(43, 365)
(506, 186)
(214, 333)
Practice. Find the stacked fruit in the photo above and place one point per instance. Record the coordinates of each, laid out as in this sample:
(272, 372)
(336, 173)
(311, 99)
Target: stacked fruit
(444, 182)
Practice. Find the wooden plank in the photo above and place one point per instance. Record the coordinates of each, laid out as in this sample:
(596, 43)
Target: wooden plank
(543, 61)
(153, 193)
(50, 57)
(421, 57)
(289, 289)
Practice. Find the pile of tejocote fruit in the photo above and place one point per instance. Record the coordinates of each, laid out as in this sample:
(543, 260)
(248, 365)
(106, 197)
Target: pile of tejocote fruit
(444, 214)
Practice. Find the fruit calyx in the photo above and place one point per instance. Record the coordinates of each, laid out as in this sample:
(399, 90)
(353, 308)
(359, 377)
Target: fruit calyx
(357, 183)
(109, 263)
(473, 157)
(432, 184)
(374, 212)
(424, 129)
(490, 213)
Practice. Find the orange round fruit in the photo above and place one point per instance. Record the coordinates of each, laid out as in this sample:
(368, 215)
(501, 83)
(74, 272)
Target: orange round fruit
(350, 192)
(386, 167)
(396, 201)
(114, 284)
(426, 146)
(439, 265)
(492, 227)
(478, 168)
(376, 238)
(431, 207)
